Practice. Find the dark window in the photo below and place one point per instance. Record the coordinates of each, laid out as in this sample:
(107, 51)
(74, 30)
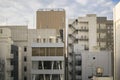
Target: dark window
(78, 72)
(37, 40)
(25, 48)
(25, 58)
(93, 57)
(78, 63)
(25, 78)
(25, 68)
(50, 40)
(1, 31)
(12, 73)
(44, 40)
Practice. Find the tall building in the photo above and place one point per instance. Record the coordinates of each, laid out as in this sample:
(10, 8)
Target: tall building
(51, 19)
(19, 36)
(9, 56)
(89, 33)
(116, 15)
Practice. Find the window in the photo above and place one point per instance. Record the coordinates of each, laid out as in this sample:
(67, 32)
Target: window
(44, 40)
(81, 37)
(25, 49)
(78, 72)
(78, 63)
(25, 58)
(25, 78)
(37, 40)
(93, 58)
(1, 31)
(12, 73)
(50, 40)
(25, 68)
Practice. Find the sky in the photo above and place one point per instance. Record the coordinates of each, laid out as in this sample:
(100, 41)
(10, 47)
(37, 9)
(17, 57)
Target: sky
(23, 12)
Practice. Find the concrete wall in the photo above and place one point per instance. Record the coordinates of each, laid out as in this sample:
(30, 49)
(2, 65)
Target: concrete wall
(116, 15)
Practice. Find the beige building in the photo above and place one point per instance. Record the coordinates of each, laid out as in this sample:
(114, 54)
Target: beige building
(48, 36)
(51, 19)
(10, 57)
(19, 36)
(5, 52)
(116, 15)
(32, 42)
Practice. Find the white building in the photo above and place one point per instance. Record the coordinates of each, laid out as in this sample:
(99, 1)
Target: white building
(90, 33)
(116, 15)
(47, 54)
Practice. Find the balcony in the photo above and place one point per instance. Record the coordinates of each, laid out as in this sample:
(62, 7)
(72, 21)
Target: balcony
(83, 30)
(101, 30)
(83, 39)
(78, 68)
(78, 57)
(47, 71)
(78, 77)
(101, 39)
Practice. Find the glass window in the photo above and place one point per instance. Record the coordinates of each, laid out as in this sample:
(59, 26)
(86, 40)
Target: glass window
(25, 58)
(25, 78)
(25, 48)
(25, 68)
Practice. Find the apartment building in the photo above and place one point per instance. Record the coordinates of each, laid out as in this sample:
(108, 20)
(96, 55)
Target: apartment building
(90, 33)
(9, 56)
(19, 36)
(116, 15)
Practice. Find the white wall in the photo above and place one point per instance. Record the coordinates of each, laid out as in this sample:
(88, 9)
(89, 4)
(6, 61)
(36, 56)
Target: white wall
(116, 12)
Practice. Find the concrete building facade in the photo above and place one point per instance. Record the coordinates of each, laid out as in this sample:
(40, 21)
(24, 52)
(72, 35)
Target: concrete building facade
(90, 33)
(99, 28)
(19, 36)
(9, 56)
(47, 54)
(5, 52)
(116, 15)
(31, 41)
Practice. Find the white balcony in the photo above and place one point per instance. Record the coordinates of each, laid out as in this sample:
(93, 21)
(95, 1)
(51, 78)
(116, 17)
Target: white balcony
(47, 71)
(47, 58)
(78, 77)
(78, 57)
(78, 68)
(47, 45)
